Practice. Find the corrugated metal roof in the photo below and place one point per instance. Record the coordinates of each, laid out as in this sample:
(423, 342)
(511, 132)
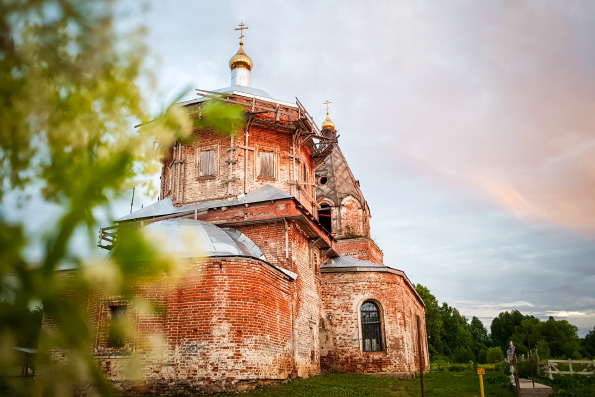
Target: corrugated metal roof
(166, 207)
(347, 261)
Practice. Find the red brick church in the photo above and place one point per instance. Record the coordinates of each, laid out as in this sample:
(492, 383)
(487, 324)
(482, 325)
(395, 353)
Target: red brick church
(283, 279)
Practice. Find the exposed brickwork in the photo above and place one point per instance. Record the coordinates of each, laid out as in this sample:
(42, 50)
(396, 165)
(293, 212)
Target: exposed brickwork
(341, 191)
(226, 323)
(236, 165)
(341, 342)
(361, 248)
(306, 304)
(233, 323)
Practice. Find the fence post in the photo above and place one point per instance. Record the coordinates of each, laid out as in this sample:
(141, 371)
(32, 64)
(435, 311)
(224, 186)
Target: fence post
(421, 358)
(570, 366)
(549, 370)
(516, 376)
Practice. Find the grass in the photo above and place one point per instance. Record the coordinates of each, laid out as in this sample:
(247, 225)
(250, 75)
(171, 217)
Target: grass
(437, 384)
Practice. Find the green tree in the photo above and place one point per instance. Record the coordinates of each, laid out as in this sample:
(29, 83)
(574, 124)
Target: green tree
(495, 355)
(478, 331)
(481, 339)
(503, 327)
(69, 98)
(433, 320)
(463, 354)
(588, 343)
(527, 334)
(562, 338)
(456, 334)
(543, 350)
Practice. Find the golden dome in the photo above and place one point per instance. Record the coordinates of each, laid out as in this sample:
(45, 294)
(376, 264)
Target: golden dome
(328, 124)
(240, 59)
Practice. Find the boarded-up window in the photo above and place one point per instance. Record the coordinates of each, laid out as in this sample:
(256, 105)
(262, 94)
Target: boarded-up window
(267, 164)
(207, 163)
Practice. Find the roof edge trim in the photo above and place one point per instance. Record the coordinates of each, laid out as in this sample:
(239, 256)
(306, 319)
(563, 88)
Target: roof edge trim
(375, 269)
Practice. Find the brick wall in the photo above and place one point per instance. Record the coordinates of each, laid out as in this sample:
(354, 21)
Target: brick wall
(225, 324)
(341, 342)
(306, 303)
(293, 168)
(352, 218)
(360, 248)
(303, 259)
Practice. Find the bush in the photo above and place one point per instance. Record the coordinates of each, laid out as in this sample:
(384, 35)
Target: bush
(461, 367)
(495, 355)
(482, 356)
(543, 350)
(503, 367)
(445, 366)
(498, 378)
(572, 386)
(524, 368)
(463, 355)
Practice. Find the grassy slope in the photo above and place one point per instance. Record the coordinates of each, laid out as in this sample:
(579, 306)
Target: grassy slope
(437, 384)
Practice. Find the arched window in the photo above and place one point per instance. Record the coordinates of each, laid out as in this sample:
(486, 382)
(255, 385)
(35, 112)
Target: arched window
(371, 334)
(324, 217)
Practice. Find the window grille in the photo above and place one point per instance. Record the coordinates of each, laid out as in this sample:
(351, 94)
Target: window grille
(371, 334)
(207, 163)
(267, 164)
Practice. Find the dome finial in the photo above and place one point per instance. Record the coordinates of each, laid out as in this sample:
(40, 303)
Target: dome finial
(241, 59)
(327, 124)
(241, 29)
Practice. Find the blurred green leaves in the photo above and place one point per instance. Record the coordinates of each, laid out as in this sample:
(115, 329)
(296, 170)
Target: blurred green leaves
(223, 118)
(69, 96)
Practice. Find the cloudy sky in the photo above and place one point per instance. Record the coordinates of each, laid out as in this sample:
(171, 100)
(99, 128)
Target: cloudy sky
(471, 126)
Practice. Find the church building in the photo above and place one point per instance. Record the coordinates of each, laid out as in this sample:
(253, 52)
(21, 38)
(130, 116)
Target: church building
(286, 281)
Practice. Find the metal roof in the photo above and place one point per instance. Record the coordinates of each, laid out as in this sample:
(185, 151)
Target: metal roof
(166, 206)
(250, 92)
(347, 261)
(188, 238)
(347, 264)
(241, 238)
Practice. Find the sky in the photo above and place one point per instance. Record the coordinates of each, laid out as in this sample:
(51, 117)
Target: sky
(470, 125)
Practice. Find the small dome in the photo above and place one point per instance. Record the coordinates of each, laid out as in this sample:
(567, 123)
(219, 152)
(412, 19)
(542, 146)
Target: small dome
(240, 59)
(187, 238)
(328, 124)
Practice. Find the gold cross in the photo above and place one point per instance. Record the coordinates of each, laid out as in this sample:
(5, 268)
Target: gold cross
(326, 103)
(241, 29)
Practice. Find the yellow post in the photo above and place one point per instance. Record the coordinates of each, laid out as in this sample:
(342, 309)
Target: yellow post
(481, 372)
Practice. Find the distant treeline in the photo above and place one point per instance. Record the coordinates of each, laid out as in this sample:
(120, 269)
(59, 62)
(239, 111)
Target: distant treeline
(452, 336)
